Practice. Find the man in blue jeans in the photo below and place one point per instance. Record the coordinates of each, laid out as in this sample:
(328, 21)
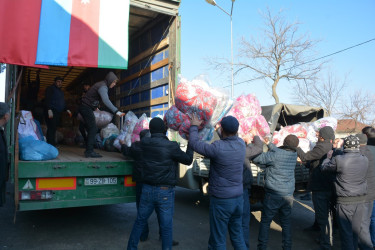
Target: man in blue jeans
(160, 158)
(280, 183)
(225, 188)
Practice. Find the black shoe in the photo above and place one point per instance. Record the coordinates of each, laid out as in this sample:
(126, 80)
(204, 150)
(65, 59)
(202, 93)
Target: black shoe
(92, 154)
(174, 243)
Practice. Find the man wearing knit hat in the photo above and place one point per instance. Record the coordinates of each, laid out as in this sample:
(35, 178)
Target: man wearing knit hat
(227, 157)
(364, 236)
(279, 188)
(159, 160)
(351, 188)
(4, 168)
(321, 184)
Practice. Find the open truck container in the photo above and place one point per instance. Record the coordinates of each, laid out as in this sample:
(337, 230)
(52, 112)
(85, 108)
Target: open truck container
(196, 175)
(146, 86)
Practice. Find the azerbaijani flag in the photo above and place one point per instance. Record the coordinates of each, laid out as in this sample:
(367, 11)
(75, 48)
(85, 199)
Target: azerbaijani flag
(88, 33)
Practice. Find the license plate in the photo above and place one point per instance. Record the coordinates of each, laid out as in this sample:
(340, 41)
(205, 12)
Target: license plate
(100, 181)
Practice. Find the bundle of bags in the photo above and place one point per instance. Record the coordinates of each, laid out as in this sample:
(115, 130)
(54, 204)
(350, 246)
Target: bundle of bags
(32, 146)
(248, 111)
(131, 129)
(197, 97)
(306, 132)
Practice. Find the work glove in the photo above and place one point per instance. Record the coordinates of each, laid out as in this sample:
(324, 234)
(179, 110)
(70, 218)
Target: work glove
(69, 113)
(50, 114)
(120, 114)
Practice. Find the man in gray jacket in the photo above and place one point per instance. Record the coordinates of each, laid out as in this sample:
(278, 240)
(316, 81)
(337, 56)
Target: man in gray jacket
(280, 183)
(351, 188)
(225, 188)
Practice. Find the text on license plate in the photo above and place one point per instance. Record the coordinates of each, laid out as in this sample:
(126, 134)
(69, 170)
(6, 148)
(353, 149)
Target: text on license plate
(100, 181)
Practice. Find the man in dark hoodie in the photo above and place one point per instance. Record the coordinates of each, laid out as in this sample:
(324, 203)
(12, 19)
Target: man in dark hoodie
(253, 149)
(280, 183)
(351, 188)
(227, 157)
(321, 184)
(160, 158)
(54, 106)
(90, 102)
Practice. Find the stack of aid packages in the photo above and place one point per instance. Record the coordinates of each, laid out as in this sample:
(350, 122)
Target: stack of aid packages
(247, 110)
(197, 97)
(131, 129)
(306, 132)
(211, 105)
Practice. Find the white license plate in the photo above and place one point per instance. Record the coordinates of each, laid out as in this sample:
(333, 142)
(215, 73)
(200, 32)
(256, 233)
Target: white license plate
(100, 181)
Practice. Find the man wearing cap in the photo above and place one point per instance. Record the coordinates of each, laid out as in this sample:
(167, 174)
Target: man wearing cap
(279, 188)
(54, 106)
(364, 236)
(225, 188)
(351, 188)
(4, 166)
(321, 184)
(159, 160)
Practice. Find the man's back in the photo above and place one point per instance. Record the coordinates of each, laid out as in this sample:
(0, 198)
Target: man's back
(161, 158)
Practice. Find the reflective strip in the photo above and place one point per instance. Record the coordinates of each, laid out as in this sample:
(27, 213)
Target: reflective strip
(64, 183)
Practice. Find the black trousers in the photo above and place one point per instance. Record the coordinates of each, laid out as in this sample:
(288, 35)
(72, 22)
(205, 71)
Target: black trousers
(52, 125)
(90, 123)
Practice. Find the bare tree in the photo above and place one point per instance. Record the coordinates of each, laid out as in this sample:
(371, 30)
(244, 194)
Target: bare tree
(359, 107)
(283, 54)
(325, 92)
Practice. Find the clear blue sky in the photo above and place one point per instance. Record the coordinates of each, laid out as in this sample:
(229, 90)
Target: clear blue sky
(205, 32)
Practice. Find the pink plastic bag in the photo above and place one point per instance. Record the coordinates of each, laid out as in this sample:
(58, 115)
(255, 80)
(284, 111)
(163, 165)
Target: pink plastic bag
(141, 124)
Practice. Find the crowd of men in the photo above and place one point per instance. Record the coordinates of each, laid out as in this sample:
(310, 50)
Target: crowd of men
(342, 179)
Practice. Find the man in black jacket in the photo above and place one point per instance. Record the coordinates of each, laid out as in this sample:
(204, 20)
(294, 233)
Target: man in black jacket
(320, 183)
(135, 152)
(364, 236)
(4, 165)
(252, 150)
(351, 188)
(370, 133)
(54, 106)
(160, 158)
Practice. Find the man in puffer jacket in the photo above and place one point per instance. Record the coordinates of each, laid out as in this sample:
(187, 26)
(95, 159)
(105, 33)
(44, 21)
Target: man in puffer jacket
(160, 158)
(280, 183)
(351, 188)
(321, 184)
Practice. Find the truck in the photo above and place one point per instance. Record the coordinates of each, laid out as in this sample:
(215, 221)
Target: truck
(146, 86)
(195, 176)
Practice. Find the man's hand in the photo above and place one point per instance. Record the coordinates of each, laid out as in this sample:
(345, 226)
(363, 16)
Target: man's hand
(50, 114)
(194, 120)
(122, 142)
(69, 113)
(120, 114)
(247, 139)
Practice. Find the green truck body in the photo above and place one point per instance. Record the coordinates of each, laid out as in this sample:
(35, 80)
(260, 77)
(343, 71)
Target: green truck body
(71, 180)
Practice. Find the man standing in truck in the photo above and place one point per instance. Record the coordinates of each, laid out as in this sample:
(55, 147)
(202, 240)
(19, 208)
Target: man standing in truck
(90, 102)
(227, 157)
(54, 106)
